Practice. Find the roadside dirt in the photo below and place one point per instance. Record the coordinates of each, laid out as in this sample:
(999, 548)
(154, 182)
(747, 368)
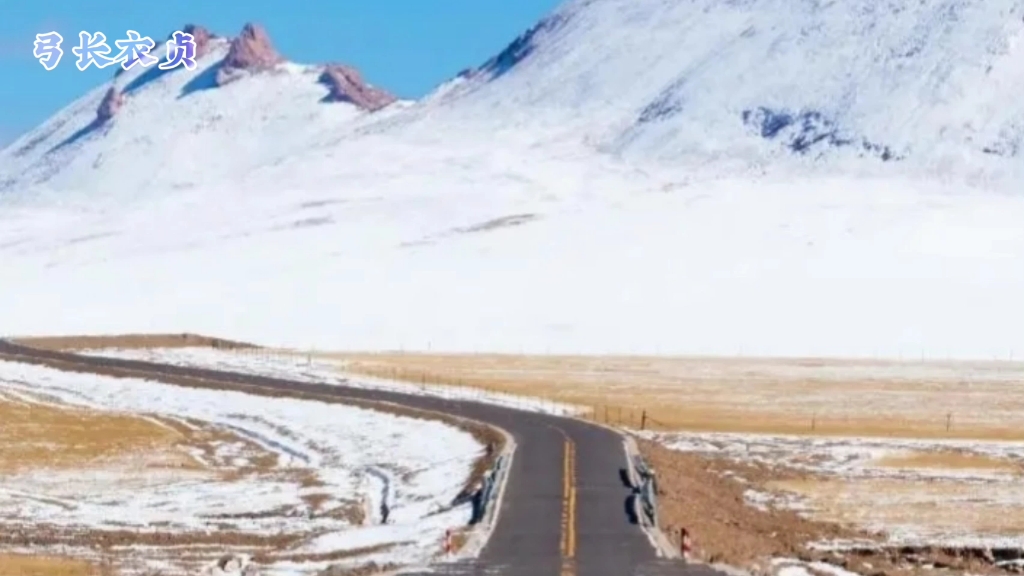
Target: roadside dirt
(705, 494)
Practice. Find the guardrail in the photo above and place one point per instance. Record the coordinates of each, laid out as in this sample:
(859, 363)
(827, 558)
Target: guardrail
(485, 498)
(645, 491)
(643, 501)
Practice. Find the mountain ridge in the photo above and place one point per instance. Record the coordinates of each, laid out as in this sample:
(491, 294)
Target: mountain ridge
(932, 84)
(929, 88)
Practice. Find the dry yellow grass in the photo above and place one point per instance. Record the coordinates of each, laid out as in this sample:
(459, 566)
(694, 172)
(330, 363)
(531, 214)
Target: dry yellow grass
(47, 436)
(924, 506)
(59, 437)
(946, 461)
(809, 396)
(22, 565)
(817, 397)
(127, 341)
(38, 436)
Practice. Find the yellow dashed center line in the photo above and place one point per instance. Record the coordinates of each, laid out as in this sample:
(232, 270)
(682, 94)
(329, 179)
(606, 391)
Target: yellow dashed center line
(568, 542)
(571, 552)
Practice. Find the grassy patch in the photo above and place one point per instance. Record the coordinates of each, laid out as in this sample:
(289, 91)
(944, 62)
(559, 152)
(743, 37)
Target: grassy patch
(23, 565)
(46, 436)
(777, 396)
(929, 506)
(127, 341)
(946, 461)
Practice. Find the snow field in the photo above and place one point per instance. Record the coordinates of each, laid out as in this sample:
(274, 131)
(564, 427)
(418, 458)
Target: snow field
(350, 453)
(817, 269)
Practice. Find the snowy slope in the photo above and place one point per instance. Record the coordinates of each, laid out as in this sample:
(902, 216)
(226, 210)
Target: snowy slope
(865, 269)
(176, 130)
(525, 207)
(935, 84)
(927, 88)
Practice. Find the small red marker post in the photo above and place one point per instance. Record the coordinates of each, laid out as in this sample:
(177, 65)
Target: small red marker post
(448, 541)
(685, 545)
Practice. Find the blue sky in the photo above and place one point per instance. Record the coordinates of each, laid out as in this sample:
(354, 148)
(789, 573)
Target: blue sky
(406, 46)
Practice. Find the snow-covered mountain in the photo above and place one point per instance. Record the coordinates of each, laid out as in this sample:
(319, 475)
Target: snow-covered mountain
(930, 88)
(685, 176)
(244, 106)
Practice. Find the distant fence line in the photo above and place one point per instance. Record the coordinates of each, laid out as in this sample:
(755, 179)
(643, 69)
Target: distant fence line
(634, 416)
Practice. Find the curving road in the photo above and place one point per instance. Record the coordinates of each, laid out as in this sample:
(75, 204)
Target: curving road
(564, 509)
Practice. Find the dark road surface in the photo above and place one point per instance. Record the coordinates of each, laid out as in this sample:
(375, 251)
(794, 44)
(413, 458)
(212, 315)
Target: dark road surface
(541, 530)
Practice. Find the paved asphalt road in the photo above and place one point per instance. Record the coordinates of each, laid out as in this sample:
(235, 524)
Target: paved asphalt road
(542, 529)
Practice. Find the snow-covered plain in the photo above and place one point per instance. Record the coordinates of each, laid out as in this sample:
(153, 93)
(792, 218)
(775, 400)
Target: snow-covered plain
(633, 176)
(357, 456)
(777, 270)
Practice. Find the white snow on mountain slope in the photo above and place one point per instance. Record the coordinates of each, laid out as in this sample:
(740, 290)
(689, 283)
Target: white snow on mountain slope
(498, 214)
(934, 85)
(863, 269)
(176, 130)
(927, 88)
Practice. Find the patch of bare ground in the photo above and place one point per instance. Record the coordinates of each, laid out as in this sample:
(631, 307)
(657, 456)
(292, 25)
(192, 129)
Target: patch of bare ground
(45, 535)
(336, 555)
(947, 460)
(25, 565)
(459, 539)
(931, 505)
(128, 341)
(352, 512)
(706, 495)
(35, 435)
(495, 223)
(814, 397)
(370, 569)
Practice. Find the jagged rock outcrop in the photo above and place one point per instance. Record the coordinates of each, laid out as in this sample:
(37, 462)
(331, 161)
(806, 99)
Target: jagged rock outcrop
(251, 51)
(202, 37)
(347, 85)
(111, 103)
